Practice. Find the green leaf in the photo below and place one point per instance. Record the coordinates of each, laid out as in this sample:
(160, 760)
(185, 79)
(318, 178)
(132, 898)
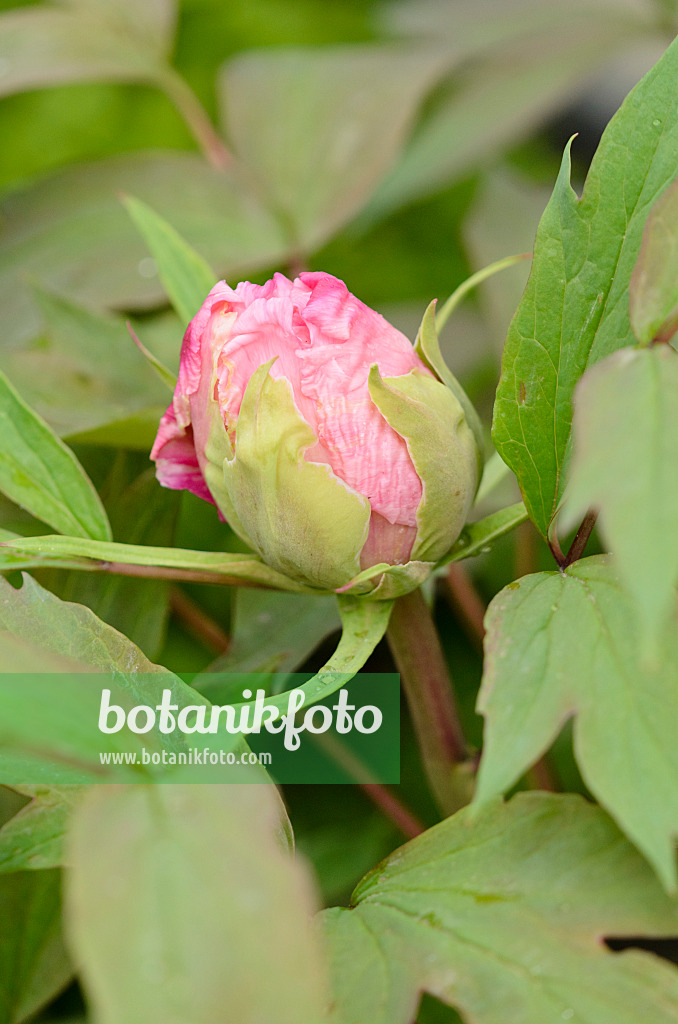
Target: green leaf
(574, 311)
(81, 42)
(34, 966)
(143, 513)
(68, 630)
(46, 724)
(477, 538)
(186, 276)
(512, 67)
(626, 464)
(275, 632)
(564, 644)
(33, 838)
(210, 908)
(84, 373)
(653, 291)
(363, 623)
(41, 474)
(500, 913)
(317, 128)
(95, 556)
(63, 229)
(503, 217)
(154, 21)
(164, 374)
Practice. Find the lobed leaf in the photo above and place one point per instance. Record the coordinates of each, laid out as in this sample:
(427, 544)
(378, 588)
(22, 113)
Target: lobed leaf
(568, 644)
(499, 912)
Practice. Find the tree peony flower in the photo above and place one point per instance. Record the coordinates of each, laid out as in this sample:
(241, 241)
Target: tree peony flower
(319, 433)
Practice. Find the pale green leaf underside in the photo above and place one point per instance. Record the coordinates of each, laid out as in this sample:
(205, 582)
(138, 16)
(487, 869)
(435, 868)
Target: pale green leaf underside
(575, 309)
(564, 644)
(653, 294)
(44, 46)
(40, 473)
(194, 879)
(499, 912)
(626, 465)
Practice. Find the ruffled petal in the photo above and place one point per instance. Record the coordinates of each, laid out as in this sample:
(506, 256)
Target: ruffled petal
(175, 457)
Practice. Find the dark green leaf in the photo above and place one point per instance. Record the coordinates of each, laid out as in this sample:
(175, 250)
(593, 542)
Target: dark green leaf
(575, 308)
(41, 474)
(500, 913)
(33, 838)
(276, 632)
(33, 961)
(563, 644)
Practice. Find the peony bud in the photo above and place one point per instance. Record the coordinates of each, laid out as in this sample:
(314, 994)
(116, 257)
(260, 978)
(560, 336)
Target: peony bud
(318, 432)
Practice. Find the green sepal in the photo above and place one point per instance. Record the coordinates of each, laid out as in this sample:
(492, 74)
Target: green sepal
(218, 450)
(384, 582)
(427, 347)
(301, 518)
(442, 447)
(363, 625)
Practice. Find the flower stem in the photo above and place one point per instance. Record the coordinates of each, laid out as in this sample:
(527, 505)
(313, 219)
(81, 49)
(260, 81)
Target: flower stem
(416, 649)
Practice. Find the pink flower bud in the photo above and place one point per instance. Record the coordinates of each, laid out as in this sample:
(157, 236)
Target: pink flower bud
(234, 437)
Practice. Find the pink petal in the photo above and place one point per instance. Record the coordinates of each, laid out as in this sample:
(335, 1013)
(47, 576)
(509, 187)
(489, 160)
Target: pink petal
(175, 457)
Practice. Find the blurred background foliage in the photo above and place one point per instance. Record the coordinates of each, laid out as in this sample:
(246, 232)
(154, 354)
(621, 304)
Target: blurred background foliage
(397, 145)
